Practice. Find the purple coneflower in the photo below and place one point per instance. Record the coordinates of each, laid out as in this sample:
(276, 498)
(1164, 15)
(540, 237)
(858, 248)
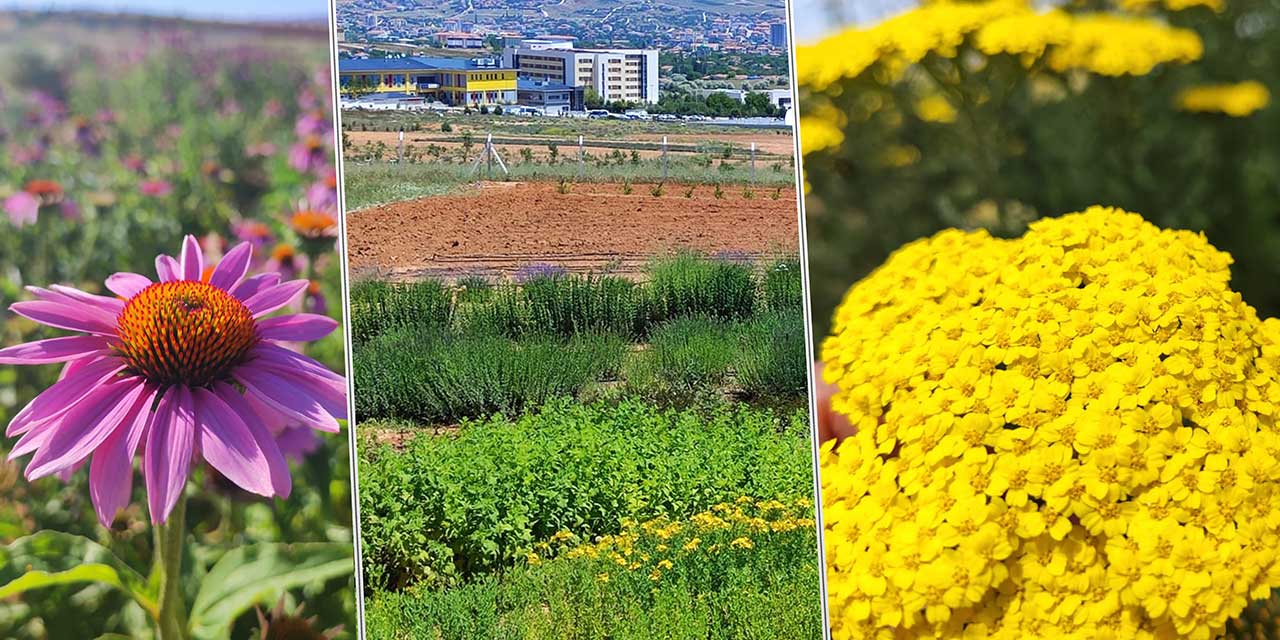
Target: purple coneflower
(181, 369)
(22, 207)
(155, 188)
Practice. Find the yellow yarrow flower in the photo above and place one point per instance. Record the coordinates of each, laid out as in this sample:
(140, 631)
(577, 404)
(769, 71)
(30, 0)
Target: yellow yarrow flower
(1236, 100)
(1068, 434)
(1099, 43)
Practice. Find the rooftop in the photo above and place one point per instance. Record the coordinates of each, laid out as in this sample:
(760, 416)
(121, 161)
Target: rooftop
(528, 84)
(412, 63)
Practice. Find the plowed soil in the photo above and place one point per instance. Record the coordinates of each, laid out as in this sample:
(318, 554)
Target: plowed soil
(499, 228)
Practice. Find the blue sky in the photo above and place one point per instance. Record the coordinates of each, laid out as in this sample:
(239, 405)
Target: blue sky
(815, 19)
(237, 10)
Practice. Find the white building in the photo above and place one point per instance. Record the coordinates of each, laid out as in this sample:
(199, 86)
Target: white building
(777, 97)
(614, 74)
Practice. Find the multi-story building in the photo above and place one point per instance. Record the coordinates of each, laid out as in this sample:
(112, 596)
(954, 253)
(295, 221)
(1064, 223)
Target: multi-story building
(629, 75)
(453, 81)
(778, 34)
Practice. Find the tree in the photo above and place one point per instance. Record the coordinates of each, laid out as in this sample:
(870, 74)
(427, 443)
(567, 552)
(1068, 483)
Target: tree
(591, 99)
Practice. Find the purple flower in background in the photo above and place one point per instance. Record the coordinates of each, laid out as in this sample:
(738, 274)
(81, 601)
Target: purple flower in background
(22, 208)
(309, 154)
(734, 256)
(23, 155)
(155, 188)
(70, 210)
(539, 270)
(48, 110)
(134, 163)
(323, 193)
(313, 123)
(182, 369)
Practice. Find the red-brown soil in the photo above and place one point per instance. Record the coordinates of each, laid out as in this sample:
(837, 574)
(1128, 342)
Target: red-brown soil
(499, 228)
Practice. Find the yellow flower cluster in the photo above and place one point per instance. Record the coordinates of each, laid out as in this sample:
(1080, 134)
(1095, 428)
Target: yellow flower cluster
(1172, 5)
(1236, 100)
(1100, 43)
(656, 545)
(1067, 435)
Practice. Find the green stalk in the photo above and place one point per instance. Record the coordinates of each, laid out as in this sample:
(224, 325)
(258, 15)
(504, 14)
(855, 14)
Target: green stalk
(170, 538)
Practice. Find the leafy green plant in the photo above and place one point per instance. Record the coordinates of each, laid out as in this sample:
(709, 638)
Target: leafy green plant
(686, 357)
(478, 501)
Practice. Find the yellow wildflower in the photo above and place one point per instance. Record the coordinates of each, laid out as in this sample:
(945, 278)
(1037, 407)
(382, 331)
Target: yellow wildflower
(1236, 100)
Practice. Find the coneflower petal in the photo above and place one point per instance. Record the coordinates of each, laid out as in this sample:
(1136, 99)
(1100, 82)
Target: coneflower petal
(233, 267)
(281, 481)
(54, 350)
(192, 260)
(273, 298)
(170, 445)
(63, 315)
(298, 327)
(65, 393)
(287, 398)
(229, 446)
(111, 470)
(167, 269)
(251, 286)
(86, 426)
(127, 285)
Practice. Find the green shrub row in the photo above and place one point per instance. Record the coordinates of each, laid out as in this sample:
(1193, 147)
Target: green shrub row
(446, 509)
(433, 376)
(430, 375)
(679, 286)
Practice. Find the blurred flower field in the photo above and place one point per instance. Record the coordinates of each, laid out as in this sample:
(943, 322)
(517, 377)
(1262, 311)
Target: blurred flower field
(120, 137)
(992, 114)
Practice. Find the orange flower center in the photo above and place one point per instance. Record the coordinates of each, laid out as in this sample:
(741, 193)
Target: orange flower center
(45, 190)
(185, 332)
(282, 252)
(313, 224)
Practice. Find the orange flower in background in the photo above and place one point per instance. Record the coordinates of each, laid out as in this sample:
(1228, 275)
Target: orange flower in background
(314, 224)
(46, 191)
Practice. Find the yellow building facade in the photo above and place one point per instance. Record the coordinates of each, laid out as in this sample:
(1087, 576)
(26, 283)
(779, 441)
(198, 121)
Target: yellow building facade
(453, 81)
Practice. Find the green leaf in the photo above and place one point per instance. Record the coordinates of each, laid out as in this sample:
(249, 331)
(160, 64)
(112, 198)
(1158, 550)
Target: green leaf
(259, 574)
(49, 558)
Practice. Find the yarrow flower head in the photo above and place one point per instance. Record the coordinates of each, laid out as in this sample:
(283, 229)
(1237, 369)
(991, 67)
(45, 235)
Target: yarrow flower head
(185, 368)
(1236, 100)
(1105, 44)
(1068, 434)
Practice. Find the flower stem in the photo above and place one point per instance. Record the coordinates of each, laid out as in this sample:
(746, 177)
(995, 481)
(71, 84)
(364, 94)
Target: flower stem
(170, 537)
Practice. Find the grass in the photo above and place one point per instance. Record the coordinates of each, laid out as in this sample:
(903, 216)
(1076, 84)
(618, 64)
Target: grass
(685, 356)
(446, 510)
(373, 183)
(770, 362)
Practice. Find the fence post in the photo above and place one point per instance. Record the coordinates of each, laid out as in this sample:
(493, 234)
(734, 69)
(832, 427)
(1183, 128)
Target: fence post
(753, 162)
(581, 160)
(400, 148)
(664, 158)
(488, 153)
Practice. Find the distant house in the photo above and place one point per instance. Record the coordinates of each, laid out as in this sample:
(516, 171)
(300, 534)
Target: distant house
(458, 40)
(552, 98)
(453, 81)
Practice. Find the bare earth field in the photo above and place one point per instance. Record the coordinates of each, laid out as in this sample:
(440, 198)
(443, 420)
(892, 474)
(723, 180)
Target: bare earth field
(499, 228)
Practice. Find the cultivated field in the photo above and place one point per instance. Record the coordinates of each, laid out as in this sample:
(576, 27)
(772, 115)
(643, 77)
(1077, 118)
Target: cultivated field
(500, 227)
